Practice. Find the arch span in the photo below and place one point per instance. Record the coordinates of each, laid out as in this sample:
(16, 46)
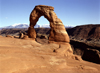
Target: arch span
(57, 32)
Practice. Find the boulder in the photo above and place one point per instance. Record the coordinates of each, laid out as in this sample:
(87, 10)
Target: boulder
(9, 36)
(25, 37)
(24, 33)
(21, 35)
(16, 36)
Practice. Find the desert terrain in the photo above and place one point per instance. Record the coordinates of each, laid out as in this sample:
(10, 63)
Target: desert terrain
(28, 56)
(82, 42)
(55, 51)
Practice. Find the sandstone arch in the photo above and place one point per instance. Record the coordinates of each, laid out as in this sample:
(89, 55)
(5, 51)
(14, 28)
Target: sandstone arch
(57, 32)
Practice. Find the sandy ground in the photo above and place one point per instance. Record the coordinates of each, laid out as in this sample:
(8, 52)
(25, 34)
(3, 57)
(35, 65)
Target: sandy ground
(28, 56)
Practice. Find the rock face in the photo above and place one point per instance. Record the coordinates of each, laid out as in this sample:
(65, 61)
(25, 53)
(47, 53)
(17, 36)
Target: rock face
(92, 55)
(89, 51)
(57, 33)
(85, 31)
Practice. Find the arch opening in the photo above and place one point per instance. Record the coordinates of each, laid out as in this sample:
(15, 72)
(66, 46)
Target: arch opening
(42, 23)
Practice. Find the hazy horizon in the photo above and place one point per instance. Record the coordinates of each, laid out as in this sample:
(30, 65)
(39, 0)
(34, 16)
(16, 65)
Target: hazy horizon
(71, 12)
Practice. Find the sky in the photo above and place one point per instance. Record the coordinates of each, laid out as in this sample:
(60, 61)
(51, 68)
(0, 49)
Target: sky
(71, 12)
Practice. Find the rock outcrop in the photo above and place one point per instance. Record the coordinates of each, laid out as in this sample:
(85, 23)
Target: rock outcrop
(28, 56)
(85, 31)
(9, 36)
(21, 35)
(92, 55)
(89, 51)
(57, 33)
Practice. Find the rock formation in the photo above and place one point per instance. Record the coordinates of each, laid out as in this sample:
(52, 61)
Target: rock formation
(21, 35)
(9, 36)
(57, 32)
(28, 56)
(92, 55)
(85, 31)
(25, 37)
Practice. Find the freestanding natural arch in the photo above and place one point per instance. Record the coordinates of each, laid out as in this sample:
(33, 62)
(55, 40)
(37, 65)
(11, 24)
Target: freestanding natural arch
(57, 33)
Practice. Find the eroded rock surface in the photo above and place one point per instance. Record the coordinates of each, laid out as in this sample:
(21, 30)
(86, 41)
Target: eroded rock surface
(85, 31)
(57, 32)
(92, 55)
(28, 56)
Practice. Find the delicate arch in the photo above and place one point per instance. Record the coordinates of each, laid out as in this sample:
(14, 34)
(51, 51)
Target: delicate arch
(57, 33)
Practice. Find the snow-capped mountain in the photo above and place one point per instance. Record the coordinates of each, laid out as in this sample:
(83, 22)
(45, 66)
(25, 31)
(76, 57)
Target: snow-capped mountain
(67, 26)
(37, 26)
(26, 26)
(17, 26)
(45, 26)
(42, 26)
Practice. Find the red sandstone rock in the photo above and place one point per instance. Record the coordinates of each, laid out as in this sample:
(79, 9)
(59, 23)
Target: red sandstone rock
(9, 36)
(57, 33)
(31, 32)
(21, 35)
(25, 37)
(65, 50)
(16, 36)
(85, 31)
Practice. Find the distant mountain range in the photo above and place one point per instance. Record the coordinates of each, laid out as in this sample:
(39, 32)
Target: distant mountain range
(26, 26)
(17, 26)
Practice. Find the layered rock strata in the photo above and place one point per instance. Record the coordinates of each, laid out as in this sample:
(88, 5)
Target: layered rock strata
(57, 32)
